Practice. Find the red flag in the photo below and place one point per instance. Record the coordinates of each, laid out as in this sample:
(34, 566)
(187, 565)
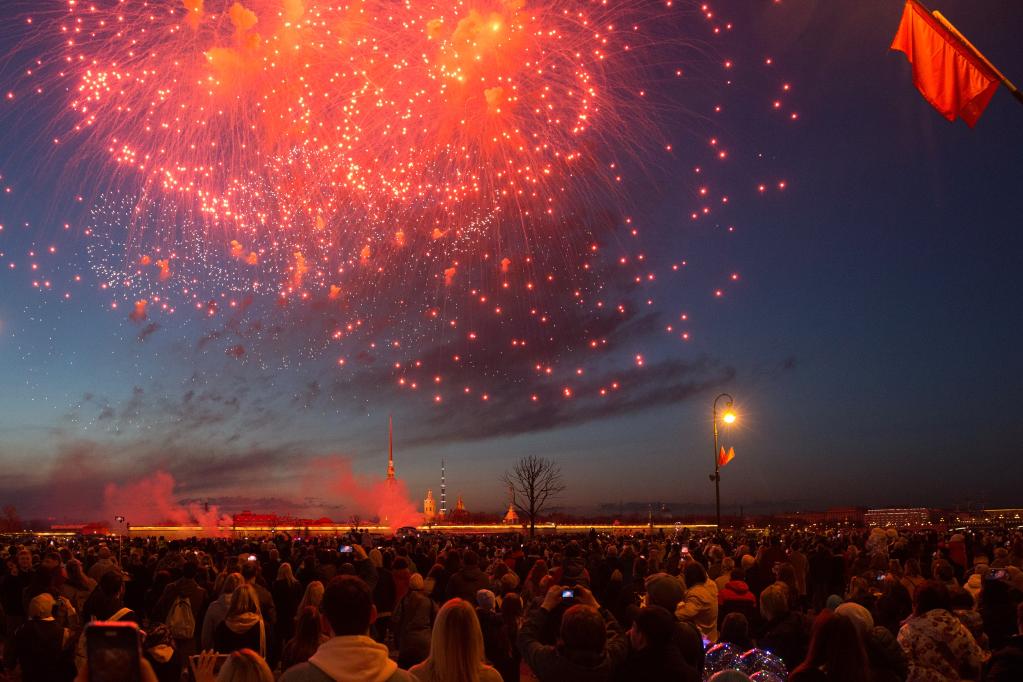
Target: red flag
(725, 457)
(947, 73)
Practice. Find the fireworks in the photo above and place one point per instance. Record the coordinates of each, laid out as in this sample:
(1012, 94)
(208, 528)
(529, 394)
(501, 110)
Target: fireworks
(430, 186)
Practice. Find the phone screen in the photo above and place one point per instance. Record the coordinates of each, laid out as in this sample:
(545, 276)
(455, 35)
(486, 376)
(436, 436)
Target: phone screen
(345, 549)
(568, 594)
(113, 652)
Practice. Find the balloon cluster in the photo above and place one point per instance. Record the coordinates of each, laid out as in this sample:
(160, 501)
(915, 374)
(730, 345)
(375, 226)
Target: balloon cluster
(759, 664)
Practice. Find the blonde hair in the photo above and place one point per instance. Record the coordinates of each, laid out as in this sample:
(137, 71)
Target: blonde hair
(245, 665)
(456, 648)
(774, 601)
(284, 573)
(244, 600)
(231, 583)
(312, 597)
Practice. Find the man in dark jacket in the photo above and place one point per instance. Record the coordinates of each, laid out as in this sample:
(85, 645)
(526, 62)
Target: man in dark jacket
(652, 651)
(666, 591)
(468, 581)
(186, 586)
(590, 643)
(41, 644)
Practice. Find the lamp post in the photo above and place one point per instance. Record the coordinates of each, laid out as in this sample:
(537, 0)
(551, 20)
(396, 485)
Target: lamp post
(728, 417)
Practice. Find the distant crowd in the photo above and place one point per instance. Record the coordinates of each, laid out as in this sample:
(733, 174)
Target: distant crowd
(843, 606)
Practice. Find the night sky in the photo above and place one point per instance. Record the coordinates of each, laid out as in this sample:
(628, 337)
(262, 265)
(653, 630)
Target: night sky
(869, 334)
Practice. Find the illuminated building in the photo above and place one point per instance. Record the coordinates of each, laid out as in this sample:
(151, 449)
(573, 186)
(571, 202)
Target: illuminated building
(429, 508)
(897, 517)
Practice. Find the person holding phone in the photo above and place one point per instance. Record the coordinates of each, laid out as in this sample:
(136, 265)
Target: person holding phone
(41, 644)
(114, 654)
(591, 642)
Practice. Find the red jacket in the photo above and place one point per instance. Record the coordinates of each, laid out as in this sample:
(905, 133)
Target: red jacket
(736, 590)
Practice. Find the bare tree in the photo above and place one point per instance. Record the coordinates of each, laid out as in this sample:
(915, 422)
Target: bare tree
(535, 481)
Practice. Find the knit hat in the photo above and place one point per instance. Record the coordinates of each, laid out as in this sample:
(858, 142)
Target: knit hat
(859, 616)
(416, 582)
(663, 590)
(486, 600)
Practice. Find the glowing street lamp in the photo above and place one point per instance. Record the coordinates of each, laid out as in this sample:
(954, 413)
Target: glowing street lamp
(728, 418)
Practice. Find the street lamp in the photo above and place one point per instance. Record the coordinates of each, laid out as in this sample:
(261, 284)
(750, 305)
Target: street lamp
(728, 418)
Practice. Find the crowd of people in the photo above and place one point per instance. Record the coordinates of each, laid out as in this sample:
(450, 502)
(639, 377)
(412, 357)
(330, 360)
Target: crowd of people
(808, 605)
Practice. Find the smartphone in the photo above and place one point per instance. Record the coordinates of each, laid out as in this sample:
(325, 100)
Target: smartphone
(251, 557)
(345, 549)
(193, 663)
(684, 549)
(996, 574)
(568, 594)
(113, 651)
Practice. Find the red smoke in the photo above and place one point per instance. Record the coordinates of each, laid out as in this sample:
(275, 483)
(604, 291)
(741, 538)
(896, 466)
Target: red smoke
(379, 501)
(150, 501)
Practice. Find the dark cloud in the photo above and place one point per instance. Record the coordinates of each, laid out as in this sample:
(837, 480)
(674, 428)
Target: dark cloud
(638, 389)
(148, 331)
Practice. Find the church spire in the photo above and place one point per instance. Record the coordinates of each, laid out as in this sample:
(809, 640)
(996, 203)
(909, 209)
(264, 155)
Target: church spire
(390, 448)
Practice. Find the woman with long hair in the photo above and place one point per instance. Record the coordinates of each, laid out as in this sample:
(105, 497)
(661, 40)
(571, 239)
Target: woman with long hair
(243, 627)
(287, 592)
(836, 653)
(308, 637)
(312, 597)
(532, 588)
(456, 648)
(78, 586)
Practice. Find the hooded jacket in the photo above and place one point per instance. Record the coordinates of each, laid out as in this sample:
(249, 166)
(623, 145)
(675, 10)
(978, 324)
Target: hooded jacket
(736, 591)
(354, 658)
(244, 631)
(700, 607)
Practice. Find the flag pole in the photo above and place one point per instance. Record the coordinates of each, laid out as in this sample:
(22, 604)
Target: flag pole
(1009, 85)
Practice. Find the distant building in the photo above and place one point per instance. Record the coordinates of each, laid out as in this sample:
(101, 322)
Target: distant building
(459, 514)
(512, 517)
(849, 515)
(429, 508)
(897, 517)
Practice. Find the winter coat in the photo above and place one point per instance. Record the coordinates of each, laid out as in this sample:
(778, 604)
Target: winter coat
(700, 607)
(77, 594)
(41, 651)
(354, 658)
(551, 664)
(215, 615)
(243, 632)
(188, 588)
(413, 626)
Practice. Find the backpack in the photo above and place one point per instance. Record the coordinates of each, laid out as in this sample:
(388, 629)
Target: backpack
(180, 619)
